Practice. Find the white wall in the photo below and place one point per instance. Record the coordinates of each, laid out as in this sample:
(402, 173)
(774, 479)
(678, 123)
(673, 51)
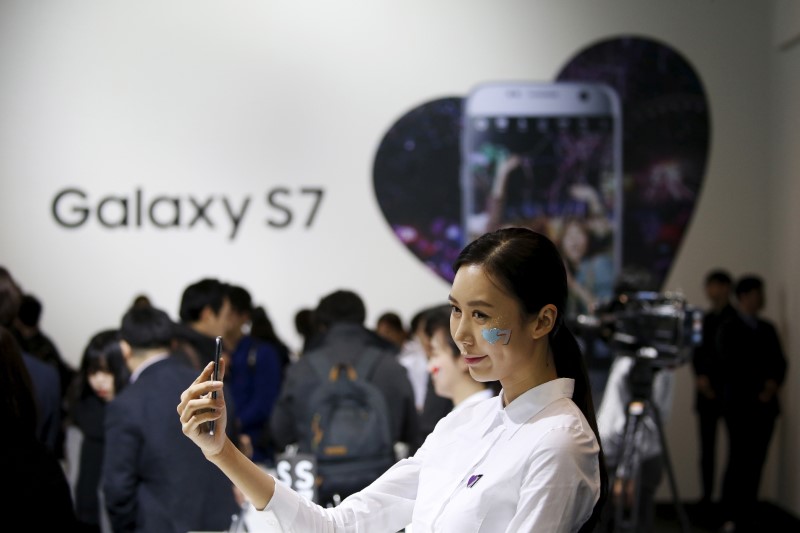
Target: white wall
(784, 234)
(207, 99)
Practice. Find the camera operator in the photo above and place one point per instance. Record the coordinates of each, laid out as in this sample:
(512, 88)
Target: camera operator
(632, 379)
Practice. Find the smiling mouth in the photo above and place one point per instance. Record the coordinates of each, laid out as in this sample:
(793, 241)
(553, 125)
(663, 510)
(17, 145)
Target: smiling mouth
(471, 360)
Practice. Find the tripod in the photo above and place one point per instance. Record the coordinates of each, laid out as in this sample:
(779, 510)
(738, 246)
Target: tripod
(628, 475)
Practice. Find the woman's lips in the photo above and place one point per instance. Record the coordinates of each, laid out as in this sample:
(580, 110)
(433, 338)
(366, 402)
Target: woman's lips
(474, 359)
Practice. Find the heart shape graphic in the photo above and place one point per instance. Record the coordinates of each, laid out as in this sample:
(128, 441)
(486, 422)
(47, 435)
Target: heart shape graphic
(666, 133)
(416, 180)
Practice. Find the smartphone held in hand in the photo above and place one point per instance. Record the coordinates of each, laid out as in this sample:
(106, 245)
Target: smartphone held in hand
(215, 377)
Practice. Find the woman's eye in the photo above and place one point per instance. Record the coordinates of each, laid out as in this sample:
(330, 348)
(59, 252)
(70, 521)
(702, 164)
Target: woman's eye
(455, 310)
(479, 315)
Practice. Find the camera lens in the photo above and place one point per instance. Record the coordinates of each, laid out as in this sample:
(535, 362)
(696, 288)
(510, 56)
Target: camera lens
(583, 95)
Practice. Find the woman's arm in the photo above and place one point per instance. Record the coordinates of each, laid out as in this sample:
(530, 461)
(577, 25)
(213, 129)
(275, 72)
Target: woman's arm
(386, 505)
(497, 198)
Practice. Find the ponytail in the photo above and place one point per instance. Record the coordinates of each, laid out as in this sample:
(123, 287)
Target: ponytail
(570, 364)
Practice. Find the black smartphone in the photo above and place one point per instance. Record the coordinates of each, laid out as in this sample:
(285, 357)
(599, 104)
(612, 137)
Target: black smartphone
(215, 377)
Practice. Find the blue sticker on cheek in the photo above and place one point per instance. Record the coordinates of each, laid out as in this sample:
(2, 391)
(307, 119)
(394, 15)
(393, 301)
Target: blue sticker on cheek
(495, 334)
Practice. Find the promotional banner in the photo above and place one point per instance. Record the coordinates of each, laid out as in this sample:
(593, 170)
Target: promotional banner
(147, 147)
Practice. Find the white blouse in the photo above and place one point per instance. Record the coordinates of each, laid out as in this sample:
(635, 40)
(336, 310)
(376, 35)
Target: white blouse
(475, 397)
(531, 466)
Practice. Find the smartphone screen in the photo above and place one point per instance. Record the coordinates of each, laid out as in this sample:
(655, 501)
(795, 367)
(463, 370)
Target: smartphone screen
(548, 156)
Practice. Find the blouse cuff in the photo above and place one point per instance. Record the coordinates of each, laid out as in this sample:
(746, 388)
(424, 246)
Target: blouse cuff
(284, 504)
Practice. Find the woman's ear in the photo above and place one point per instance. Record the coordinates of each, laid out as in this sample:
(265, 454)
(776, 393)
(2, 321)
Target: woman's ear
(545, 321)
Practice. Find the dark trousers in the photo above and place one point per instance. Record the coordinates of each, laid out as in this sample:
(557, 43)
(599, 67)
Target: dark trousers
(708, 415)
(749, 433)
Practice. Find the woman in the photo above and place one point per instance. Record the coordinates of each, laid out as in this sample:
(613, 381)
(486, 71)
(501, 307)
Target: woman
(102, 375)
(449, 371)
(527, 459)
(37, 495)
(254, 377)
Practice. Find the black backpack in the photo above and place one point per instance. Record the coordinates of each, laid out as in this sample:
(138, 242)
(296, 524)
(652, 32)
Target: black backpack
(350, 428)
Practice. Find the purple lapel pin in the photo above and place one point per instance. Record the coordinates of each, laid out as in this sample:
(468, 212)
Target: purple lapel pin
(473, 479)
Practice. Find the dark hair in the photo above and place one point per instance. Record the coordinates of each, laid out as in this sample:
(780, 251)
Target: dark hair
(528, 265)
(147, 327)
(240, 299)
(141, 300)
(393, 320)
(10, 298)
(749, 283)
(438, 318)
(197, 296)
(340, 306)
(421, 318)
(30, 309)
(416, 320)
(719, 276)
(263, 329)
(304, 323)
(17, 402)
(102, 354)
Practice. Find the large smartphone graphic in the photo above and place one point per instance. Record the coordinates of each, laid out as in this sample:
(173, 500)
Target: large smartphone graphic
(548, 156)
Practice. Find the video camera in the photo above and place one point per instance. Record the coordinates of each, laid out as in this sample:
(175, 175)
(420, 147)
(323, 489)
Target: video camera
(659, 328)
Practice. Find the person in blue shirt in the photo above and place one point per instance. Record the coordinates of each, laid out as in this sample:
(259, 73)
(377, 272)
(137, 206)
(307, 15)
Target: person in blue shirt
(254, 376)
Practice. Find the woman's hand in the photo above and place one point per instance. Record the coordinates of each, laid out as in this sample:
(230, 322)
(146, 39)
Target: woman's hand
(505, 166)
(197, 408)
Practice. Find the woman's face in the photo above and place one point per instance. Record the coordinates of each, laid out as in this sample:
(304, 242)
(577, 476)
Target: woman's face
(445, 368)
(102, 384)
(574, 242)
(489, 327)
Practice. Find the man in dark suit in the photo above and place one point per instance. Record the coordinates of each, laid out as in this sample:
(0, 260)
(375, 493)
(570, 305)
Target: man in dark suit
(706, 363)
(753, 369)
(154, 479)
